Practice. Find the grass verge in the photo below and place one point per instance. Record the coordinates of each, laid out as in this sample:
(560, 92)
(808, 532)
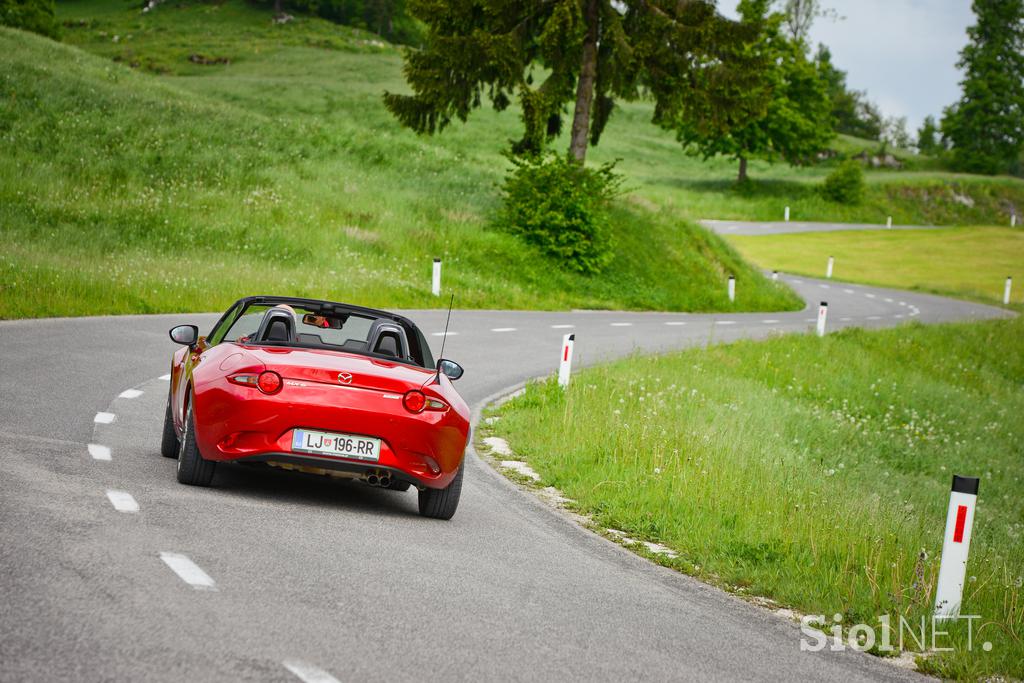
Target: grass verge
(965, 262)
(811, 471)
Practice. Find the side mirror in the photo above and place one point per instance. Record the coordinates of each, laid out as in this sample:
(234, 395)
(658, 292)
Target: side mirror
(450, 369)
(187, 335)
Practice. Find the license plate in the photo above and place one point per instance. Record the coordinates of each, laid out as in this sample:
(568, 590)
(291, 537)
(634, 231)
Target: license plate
(342, 445)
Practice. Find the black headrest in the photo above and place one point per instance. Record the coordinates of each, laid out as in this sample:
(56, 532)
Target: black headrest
(278, 331)
(387, 344)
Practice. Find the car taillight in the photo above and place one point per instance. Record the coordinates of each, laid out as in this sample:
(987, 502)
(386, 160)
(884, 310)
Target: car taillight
(269, 382)
(416, 402)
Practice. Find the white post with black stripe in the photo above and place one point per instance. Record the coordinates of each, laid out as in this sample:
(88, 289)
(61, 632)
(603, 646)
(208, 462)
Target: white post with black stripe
(565, 362)
(888, 222)
(822, 317)
(787, 214)
(775, 275)
(953, 565)
(435, 285)
(1006, 290)
(828, 270)
(732, 288)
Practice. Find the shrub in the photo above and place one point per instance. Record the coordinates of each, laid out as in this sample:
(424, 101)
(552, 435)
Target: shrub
(561, 207)
(845, 184)
(30, 15)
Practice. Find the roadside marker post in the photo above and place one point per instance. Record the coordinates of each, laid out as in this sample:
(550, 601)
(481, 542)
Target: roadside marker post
(787, 214)
(435, 286)
(732, 288)
(828, 271)
(822, 317)
(775, 275)
(1013, 220)
(953, 564)
(888, 222)
(565, 363)
(1006, 291)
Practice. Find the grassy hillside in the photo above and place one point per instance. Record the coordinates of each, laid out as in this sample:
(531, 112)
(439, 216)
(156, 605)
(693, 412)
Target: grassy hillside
(968, 263)
(812, 471)
(205, 152)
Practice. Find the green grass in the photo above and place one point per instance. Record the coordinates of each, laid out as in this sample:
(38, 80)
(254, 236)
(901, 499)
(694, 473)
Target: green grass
(136, 180)
(811, 471)
(964, 262)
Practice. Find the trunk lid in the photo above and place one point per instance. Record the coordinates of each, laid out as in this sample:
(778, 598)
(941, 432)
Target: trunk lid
(339, 368)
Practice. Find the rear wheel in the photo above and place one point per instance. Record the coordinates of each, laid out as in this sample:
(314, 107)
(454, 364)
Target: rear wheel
(442, 503)
(169, 443)
(192, 467)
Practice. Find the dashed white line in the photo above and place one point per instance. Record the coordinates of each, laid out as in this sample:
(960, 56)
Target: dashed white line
(103, 418)
(725, 322)
(769, 322)
(562, 327)
(824, 286)
(845, 319)
(901, 303)
(849, 291)
(122, 501)
(130, 393)
(165, 378)
(888, 300)
(503, 329)
(188, 571)
(799, 282)
(869, 295)
(308, 673)
(99, 452)
(442, 334)
(674, 322)
(898, 315)
(622, 324)
(874, 317)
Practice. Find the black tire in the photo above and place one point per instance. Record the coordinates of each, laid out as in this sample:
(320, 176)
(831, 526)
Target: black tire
(442, 503)
(398, 485)
(169, 443)
(193, 469)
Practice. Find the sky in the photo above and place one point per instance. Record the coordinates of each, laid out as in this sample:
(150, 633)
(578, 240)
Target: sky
(902, 52)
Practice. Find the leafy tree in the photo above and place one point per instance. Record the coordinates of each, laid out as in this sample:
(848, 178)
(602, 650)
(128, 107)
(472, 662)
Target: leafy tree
(986, 126)
(799, 16)
(549, 54)
(31, 15)
(797, 121)
(894, 132)
(852, 113)
(927, 137)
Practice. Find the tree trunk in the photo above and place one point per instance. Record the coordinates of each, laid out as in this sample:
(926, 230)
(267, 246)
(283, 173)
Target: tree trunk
(278, 7)
(585, 85)
(742, 178)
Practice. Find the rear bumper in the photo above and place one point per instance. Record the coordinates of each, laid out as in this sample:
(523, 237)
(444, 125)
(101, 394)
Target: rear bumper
(235, 423)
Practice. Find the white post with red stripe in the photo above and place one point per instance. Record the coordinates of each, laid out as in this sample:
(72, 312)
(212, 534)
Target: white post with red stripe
(822, 317)
(1006, 291)
(953, 564)
(732, 288)
(435, 285)
(565, 363)
(888, 222)
(828, 270)
(787, 214)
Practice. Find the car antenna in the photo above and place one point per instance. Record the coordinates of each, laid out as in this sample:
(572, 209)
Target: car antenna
(444, 337)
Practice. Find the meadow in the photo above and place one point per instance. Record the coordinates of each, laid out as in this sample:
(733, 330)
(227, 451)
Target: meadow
(969, 263)
(177, 159)
(814, 472)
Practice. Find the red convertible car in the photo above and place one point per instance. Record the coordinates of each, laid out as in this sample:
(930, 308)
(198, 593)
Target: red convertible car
(318, 387)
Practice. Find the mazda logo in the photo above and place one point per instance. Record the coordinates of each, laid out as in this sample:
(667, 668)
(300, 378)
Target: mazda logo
(344, 378)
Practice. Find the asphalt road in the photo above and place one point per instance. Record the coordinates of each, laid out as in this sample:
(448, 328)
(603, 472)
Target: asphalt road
(780, 227)
(314, 578)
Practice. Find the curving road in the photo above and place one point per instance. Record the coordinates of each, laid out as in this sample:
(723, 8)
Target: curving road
(275, 577)
(781, 227)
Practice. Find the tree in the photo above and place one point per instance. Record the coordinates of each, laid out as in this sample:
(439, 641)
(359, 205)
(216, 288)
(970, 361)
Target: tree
(31, 15)
(799, 16)
(894, 132)
(927, 137)
(585, 53)
(797, 121)
(852, 112)
(986, 126)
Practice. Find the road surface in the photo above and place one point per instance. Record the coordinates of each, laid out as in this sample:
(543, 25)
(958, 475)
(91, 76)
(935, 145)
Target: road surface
(780, 227)
(270, 576)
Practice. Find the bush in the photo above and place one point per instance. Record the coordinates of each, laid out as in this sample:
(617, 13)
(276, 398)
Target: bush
(30, 15)
(561, 207)
(845, 184)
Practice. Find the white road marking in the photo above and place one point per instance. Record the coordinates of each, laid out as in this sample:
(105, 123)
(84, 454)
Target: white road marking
(441, 334)
(622, 324)
(874, 317)
(799, 282)
(725, 322)
(166, 378)
(849, 291)
(888, 300)
(561, 327)
(188, 571)
(869, 295)
(104, 418)
(902, 303)
(810, 320)
(503, 329)
(845, 319)
(769, 322)
(674, 322)
(99, 452)
(898, 315)
(130, 393)
(824, 286)
(308, 673)
(122, 501)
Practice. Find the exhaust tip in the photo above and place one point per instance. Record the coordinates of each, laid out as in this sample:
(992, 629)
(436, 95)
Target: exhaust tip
(385, 481)
(373, 480)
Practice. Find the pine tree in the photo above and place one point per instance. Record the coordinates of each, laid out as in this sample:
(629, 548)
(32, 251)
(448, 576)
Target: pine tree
(986, 126)
(797, 122)
(583, 52)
